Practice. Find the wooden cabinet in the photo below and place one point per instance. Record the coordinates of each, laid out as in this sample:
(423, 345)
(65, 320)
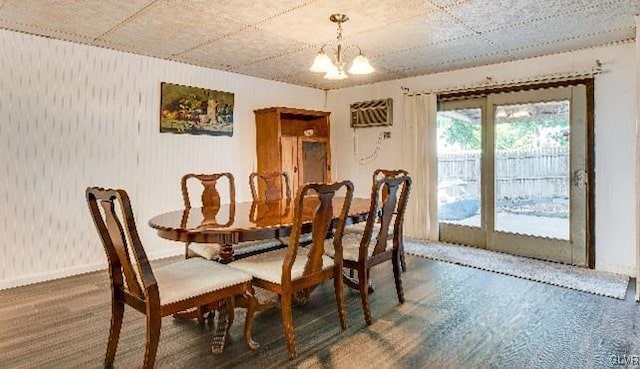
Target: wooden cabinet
(295, 141)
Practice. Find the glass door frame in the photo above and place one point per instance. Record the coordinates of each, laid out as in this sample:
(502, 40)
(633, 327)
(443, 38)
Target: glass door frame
(466, 234)
(582, 93)
(571, 251)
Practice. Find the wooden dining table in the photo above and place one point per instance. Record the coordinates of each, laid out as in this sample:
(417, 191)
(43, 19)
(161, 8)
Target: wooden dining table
(230, 224)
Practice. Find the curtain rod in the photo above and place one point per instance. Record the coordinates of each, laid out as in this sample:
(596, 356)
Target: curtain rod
(489, 82)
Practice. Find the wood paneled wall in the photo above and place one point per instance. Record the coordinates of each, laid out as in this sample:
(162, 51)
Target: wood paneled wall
(74, 115)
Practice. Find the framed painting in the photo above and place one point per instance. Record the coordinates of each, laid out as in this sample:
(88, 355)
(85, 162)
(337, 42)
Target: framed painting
(195, 110)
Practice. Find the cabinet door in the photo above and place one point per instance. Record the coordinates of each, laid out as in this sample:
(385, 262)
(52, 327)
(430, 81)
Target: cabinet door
(314, 161)
(289, 147)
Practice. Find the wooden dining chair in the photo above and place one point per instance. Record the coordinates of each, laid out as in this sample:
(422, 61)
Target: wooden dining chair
(392, 173)
(275, 186)
(296, 270)
(359, 227)
(272, 188)
(363, 251)
(161, 291)
(211, 201)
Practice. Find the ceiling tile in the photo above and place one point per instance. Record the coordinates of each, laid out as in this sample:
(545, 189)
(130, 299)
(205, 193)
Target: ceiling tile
(201, 63)
(431, 55)
(474, 61)
(592, 21)
(317, 81)
(448, 3)
(280, 66)
(310, 23)
(245, 47)
(68, 19)
(496, 14)
(160, 30)
(581, 42)
(248, 12)
(278, 39)
(419, 31)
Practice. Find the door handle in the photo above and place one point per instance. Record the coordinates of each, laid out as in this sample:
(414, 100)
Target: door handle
(580, 178)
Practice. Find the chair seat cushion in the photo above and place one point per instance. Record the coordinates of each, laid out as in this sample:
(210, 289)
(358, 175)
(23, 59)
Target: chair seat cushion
(268, 266)
(305, 237)
(193, 277)
(208, 251)
(359, 228)
(211, 251)
(250, 246)
(351, 246)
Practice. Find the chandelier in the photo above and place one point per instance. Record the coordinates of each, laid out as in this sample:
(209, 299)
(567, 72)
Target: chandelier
(335, 70)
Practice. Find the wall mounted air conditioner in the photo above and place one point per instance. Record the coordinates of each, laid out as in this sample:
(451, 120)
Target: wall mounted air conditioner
(375, 113)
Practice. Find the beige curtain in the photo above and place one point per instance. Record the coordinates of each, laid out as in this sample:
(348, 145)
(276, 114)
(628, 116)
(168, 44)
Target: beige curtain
(420, 159)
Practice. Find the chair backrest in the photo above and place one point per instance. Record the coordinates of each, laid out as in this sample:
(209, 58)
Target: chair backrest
(384, 173)
(128, 262)
(394, 191)
(210, 196)
(318, 198)
(273, 186)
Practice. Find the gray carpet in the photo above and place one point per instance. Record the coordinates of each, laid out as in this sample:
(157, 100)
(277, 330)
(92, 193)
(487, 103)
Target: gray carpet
(576, 278)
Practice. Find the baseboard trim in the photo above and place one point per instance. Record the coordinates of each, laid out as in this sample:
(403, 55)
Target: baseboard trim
(68, 272)
(616, 268)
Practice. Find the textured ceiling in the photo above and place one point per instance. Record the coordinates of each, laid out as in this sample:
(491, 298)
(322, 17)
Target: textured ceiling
(277, 39)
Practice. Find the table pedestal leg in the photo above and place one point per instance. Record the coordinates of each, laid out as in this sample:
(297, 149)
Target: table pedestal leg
(226, 248)
(224, 316)
(224, 321)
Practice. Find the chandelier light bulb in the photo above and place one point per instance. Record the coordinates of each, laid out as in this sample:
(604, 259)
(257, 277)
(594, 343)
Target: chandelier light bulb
(322, 63)
(361, 65)
(336, 74)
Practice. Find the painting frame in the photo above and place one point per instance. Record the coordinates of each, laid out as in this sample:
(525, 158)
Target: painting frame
(195, 110)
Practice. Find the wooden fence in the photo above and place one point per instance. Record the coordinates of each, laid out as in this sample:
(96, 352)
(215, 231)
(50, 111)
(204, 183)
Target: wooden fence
(521, 174)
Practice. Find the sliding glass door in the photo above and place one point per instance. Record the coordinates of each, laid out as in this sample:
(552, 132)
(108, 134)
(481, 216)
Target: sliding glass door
(512, 173)
(461, 141)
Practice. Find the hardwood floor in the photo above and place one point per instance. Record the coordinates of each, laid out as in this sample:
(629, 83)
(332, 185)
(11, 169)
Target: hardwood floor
(454, 317)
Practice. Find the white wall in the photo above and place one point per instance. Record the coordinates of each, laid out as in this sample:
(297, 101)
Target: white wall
(637, 19)
(615, 114)
(73, 116)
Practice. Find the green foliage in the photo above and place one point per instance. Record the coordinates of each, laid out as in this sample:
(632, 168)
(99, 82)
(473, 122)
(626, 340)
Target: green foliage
(457, 132)
(531, 134)
(509, 135)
